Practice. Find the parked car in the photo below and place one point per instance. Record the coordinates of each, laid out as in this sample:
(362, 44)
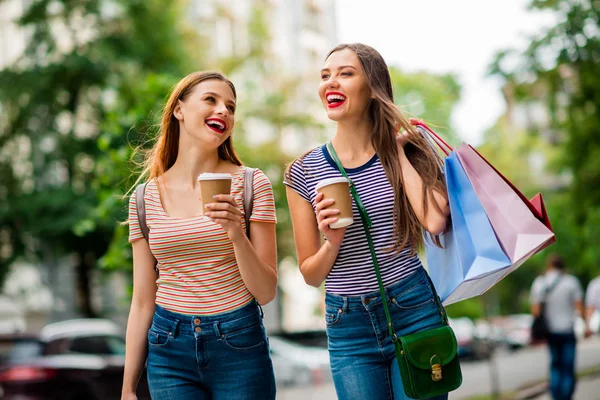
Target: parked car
(470, 343)
(75, 359)
(517, 330)
(298, 360)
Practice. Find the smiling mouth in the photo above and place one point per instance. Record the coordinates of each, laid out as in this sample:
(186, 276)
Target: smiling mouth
(335, 99)
(216, 125)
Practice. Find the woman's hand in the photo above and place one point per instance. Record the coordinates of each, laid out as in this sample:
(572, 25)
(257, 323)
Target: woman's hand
(227, 214)
(129, 396)
(326, 217)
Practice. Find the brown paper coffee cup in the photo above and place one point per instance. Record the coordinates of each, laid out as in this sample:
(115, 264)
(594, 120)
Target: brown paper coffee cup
(339, 190)
(212, 184)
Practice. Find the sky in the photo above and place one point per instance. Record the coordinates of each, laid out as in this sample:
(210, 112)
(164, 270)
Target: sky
(440, 36)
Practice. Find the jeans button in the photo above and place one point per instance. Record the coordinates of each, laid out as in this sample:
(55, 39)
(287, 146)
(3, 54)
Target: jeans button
(366, 301)
(197, 321)
(198, 329)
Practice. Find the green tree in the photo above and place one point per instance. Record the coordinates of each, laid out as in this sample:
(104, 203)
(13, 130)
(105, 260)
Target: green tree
(559, 70)
(427, 96)
(80, 58)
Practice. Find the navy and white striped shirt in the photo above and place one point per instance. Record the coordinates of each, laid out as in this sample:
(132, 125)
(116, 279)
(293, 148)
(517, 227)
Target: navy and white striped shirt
(353, 273)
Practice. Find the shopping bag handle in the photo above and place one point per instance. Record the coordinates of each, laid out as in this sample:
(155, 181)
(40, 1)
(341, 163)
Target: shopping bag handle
(445, 147)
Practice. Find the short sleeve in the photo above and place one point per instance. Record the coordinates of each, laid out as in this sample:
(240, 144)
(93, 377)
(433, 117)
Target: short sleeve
(577, 290)
(263, 208)
(135, 232)
(592, 296)
(537, 288)
(296, 180)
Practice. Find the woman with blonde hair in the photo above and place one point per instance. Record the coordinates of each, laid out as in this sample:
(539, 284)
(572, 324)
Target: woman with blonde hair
(198, 322)
(400, 184)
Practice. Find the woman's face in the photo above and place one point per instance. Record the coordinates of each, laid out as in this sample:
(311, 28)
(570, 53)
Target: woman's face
(344, 91)
(207, 113)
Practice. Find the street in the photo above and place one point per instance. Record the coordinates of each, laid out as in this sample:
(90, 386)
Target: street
(514, 370)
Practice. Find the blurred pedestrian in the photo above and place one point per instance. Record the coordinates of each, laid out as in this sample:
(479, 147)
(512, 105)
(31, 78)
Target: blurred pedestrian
(199, 322)
(592, 302)
(401, 185)
(560, 297)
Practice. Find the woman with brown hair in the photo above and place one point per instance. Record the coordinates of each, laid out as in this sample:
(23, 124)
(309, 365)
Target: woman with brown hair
(198, 322)
(399, 181)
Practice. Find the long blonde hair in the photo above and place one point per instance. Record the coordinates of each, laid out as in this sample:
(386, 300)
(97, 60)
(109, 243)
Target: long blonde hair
(386, 119)
(163, 154)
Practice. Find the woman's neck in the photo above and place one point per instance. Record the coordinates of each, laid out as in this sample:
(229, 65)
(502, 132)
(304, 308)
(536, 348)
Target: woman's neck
(192, 161)
(353, 139)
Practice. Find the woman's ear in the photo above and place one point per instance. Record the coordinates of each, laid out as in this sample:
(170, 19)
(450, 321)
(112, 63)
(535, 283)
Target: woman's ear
(178, 113)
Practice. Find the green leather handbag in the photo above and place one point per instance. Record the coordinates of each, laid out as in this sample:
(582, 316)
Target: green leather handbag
(428, 360)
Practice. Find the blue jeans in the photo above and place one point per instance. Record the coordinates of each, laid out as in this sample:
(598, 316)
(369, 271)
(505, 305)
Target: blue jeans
(562, 365)
(363, 360)
(224, 356)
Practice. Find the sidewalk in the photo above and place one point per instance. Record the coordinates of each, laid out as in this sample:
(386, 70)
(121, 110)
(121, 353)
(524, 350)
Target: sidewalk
(587, 389)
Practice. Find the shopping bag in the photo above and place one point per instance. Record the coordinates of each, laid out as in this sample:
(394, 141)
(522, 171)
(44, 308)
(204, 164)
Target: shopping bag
(522, 226)
(519, 231)
(471, 259)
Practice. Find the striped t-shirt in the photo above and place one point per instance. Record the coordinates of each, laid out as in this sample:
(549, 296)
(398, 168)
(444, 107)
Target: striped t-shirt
(199, 274)
(353, 273)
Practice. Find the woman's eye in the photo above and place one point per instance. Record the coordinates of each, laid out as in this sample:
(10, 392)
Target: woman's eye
(231, 109)
(324, 76)
(346, 73)
(210, 99)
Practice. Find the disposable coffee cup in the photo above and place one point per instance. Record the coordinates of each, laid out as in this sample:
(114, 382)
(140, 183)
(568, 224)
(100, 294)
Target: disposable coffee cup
(212, 184)
(339, 190)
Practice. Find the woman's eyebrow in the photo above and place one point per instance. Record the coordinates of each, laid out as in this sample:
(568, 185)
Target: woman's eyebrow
(340, 67)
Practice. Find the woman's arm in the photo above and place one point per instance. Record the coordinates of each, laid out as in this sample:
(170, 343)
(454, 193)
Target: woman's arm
(140, 316)
(315, 260)
(257, 260)
(433, 220)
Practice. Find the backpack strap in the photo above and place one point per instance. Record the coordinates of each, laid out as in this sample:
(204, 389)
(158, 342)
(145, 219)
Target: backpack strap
(140, 205)
(248, 196)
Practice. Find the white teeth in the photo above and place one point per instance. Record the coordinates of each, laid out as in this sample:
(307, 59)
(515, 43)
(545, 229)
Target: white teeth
(218, 124)
(333, 97)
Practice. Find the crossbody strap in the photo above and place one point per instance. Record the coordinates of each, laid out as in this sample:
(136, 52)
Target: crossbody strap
(364, 216)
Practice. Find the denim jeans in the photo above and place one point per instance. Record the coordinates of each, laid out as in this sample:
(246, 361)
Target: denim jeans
(218, 357)
(562, 365)
(363, 360)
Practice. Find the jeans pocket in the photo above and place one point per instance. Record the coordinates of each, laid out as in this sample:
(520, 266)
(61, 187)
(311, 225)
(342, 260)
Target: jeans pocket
(333, 316)
(249, 338)
(414, 298)
(158, 338)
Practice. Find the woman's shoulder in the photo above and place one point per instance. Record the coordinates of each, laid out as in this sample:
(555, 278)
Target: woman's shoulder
(308, 159)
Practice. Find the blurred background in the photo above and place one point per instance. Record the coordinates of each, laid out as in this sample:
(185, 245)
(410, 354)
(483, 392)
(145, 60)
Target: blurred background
(82, 83)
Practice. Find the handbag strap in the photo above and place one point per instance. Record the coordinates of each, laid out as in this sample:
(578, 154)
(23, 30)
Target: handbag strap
(364, 216)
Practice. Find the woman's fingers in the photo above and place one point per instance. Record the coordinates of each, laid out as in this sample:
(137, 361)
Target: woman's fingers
(328, 213)
(324, 224)
(323, 203)
(223, 215)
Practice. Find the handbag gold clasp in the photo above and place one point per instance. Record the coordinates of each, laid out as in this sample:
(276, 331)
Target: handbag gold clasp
(436, 369)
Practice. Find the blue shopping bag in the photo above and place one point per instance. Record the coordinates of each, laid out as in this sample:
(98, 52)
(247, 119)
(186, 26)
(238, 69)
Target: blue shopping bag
(471, 260)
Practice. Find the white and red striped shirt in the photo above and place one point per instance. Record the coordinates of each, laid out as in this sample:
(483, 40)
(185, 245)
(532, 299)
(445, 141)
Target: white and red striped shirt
(199, 274)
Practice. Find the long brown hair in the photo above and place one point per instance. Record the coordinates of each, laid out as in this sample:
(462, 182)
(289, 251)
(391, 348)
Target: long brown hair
(163, 154)
(386, 119)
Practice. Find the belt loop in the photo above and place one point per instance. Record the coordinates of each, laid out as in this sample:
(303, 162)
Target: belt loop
(217, 331)
(174, 328)
(262, 313)
(345, 306)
